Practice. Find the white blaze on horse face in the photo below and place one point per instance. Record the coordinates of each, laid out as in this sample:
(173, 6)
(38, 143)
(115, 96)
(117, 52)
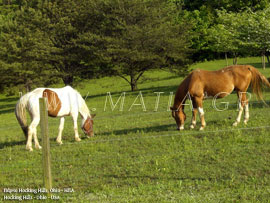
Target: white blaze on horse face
(181, 127)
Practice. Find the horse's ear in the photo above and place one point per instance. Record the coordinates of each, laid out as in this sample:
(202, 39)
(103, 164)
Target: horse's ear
(93, 115)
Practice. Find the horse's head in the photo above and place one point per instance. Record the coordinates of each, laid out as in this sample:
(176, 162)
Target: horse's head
(87, 126)
(179, 117)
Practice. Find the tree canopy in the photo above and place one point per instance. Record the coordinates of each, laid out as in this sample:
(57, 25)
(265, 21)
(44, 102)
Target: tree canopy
(44, 42)
(148, 35)
(67, 39)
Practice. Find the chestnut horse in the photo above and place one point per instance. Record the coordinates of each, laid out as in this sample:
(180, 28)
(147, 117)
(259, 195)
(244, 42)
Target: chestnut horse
(60, 102)
(200, 84)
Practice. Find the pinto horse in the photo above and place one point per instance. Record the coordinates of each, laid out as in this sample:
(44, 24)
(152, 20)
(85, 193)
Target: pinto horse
(200, 84)
(60, 102)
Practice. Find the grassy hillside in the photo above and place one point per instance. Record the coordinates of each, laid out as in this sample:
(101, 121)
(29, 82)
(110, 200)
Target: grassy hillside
(138, 156)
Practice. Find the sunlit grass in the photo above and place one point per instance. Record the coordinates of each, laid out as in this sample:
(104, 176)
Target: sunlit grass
(138, 156)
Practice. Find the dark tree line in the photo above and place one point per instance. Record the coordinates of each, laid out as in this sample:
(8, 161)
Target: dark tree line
(44, 41)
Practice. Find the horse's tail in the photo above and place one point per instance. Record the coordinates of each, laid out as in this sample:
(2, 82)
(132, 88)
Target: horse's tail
(258, 81)
(20, 112)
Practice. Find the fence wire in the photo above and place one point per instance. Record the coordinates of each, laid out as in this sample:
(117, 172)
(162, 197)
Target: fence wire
(34, 165)
(132, 114)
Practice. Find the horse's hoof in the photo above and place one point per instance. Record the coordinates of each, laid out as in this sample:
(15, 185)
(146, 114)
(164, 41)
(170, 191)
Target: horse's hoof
(201, 128)
(38, 147)
(78, 139)
(191, 126)
(245, 122)
(30, 149)
(59, 142)
(235, 124)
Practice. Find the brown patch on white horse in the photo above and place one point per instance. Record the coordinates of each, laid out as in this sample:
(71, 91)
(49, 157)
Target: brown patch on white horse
(54, 103)
(218, 84)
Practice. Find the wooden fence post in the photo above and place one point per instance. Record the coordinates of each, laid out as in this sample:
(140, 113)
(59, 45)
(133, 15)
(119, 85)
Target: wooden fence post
(47, 177)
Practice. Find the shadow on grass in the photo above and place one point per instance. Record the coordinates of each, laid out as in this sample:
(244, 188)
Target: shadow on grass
(7, 111)
(158, 177)
(251, 104)
(13, 99)
(12, 143)
(22, 142)
(7, 108)
(155, 128)
(145, 91)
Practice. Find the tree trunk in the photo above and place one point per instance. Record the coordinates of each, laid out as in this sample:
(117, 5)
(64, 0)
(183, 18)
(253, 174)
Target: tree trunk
(6, 2)
(28, 85)
(133, 83)
(263, 60)
(133, 87)
(226, 58)
(235, 59)
(267, 56)
(68, 80)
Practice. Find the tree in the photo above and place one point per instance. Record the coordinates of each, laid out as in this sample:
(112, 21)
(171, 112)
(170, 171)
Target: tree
(224, 37)
(256, 31)
(228, 5)
(244, 32)
(77, 34)
(147, 35)
(200, 20)
(48, 40)
(24, 50)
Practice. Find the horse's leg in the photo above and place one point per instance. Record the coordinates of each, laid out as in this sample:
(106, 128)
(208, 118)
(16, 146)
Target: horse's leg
(35, 124)
(33, 132)
(77, 137)
(29, 140)
(193, 121)
(241, 104)
(244, 103)
(37, 146)
(246, 113)
(199, 102)
(194, 113)
(61, 127)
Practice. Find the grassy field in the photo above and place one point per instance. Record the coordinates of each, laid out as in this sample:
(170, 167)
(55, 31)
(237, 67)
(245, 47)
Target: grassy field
(138, 156)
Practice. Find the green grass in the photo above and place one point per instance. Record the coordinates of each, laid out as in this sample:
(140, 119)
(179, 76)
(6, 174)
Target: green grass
(138, 156)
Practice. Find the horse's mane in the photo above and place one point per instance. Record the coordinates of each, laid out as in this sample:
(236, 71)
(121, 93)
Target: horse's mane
(82, 105)
(181, 92)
